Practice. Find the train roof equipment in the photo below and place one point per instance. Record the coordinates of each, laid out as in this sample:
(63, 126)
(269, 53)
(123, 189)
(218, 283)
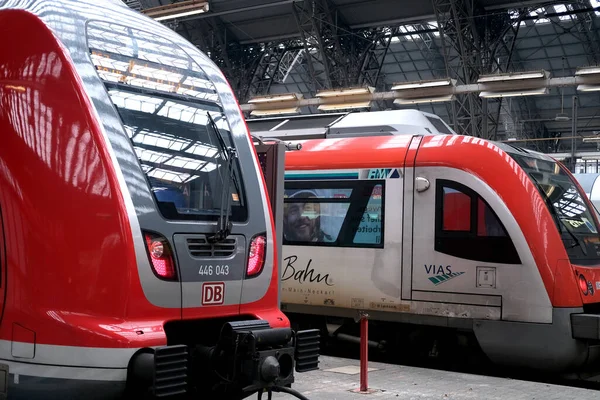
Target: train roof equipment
(336, 125)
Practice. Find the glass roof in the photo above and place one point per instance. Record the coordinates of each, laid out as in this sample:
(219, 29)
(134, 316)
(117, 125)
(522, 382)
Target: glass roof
(150, 79)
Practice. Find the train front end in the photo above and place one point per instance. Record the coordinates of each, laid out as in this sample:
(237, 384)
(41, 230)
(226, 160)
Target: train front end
(563, 233)
(578, 274)
(195, 303)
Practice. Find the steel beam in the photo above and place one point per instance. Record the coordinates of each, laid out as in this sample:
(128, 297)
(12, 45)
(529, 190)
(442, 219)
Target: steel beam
(462, 47)
(274, 66)
(334, 55)
(470, 37)
(134, 4)
(584, 20)
(308, 19)
(150, 3)
(458, 90)
(375, 56)
(238, 63)
(433, 56)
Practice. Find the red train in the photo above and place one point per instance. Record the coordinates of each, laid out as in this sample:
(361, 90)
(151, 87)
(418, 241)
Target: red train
(137, 247)
(450, 243)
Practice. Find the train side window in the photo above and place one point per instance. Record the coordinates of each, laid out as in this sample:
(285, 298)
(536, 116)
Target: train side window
(487, 221)
(369, 229)
(333, 213)
(468, 228)
(457, 210)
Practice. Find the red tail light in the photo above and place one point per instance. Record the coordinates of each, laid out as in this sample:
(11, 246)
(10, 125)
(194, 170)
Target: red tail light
(583, 285)
(160, 255)
(256, 257)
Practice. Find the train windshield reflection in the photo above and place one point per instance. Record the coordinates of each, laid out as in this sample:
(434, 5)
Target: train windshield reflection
(164, 100)
(566, 203)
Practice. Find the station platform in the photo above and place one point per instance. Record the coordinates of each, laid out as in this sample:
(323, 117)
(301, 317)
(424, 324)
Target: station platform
(337, 378)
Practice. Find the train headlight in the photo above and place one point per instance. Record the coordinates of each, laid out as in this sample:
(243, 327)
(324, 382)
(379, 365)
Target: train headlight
(583, 284)
(160, 256)
(256, 255)
(157, 249)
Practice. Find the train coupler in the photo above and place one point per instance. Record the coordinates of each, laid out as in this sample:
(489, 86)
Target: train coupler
(250, 356)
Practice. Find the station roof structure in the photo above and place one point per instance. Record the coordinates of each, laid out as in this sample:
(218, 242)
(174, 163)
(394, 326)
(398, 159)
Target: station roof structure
(270, 47)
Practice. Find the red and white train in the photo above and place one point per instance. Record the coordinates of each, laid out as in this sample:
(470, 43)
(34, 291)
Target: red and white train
(137, 247)
(447, 234)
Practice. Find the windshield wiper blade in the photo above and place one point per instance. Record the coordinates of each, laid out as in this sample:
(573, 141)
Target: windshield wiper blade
(224, 225)
(556, 217)
(577, 241)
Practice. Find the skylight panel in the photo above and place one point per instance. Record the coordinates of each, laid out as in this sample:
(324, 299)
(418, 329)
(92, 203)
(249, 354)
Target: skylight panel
(135, 102)
(167, 175)
(162, 141)
(595, 3)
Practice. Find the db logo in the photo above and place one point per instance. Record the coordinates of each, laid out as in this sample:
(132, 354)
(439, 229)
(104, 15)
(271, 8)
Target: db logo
(213, 293)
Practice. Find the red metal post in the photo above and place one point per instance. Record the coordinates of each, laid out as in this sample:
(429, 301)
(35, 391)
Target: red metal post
(364, 352)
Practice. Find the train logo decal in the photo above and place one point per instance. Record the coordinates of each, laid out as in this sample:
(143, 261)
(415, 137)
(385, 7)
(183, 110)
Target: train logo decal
(384, 173)
(439, 279)
(213, 293)
(441, 274)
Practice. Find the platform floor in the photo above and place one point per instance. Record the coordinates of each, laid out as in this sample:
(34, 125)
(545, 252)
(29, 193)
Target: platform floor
(337, 378)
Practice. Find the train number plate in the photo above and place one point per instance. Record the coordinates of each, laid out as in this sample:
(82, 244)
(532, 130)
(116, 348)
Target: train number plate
(213, 293)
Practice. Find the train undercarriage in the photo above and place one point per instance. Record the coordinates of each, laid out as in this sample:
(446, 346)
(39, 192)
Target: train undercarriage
(430, 346)
(230, 359)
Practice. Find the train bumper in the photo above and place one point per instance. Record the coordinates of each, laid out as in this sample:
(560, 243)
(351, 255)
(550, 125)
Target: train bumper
(249, 356)
(585, 326)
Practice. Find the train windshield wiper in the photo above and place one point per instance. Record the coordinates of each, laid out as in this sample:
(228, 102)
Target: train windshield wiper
(557, 219)
(228, 154)
(577, 242)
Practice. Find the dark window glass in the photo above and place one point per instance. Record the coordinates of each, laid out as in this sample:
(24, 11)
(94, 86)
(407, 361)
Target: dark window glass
(467, 227)
(457, 210)
(334, 213)
(439, 125)
(573, 215)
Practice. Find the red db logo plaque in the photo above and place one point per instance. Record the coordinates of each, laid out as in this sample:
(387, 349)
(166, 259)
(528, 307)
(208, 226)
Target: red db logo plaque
(213, 293)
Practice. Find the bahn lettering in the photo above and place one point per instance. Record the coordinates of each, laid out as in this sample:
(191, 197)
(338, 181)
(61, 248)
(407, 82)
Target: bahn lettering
(302, 275)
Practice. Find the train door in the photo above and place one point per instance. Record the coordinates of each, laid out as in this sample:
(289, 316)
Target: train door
(407, 213)
(460, 248)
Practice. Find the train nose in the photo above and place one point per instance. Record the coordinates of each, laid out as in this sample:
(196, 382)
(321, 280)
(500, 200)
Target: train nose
(588, 283)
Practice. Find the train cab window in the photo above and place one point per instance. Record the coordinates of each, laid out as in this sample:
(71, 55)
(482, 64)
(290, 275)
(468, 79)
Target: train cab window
(369, 229)
(457, 211)
(487, 222)
(467, 227)
(172, 114)
(333, 213)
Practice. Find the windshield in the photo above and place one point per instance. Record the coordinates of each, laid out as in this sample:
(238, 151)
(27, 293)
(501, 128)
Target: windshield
(571, 213)
(164, 100)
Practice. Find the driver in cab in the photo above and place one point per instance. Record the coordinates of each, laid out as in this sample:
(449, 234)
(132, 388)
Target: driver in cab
(302, 220)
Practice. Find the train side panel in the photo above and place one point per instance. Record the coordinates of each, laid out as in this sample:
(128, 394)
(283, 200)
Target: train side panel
(320, 275)
(359, 275)
(63, 219)
(469, 249)
(480, 250)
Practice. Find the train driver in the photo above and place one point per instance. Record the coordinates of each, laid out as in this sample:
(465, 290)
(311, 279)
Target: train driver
(302, 220)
